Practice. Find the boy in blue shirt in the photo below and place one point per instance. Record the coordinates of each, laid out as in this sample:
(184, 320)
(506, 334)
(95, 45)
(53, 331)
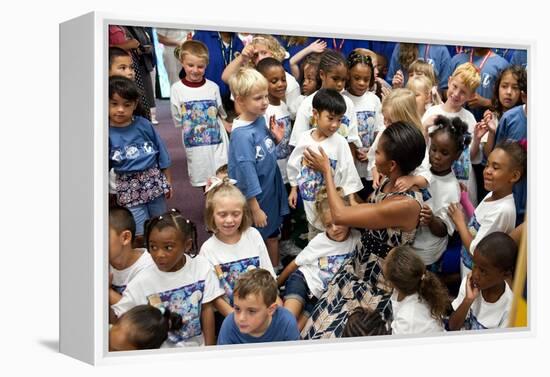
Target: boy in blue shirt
(257, 318)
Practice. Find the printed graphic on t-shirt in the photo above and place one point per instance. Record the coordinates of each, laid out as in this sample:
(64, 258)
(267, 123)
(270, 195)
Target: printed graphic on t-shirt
(228, 273)
(132, 151)
(186, 301)
(344, 127)
(473, 227)
(283, 149)
(365, 126)
(461, 167)
(485, 80)
(329, 266)
(310, 181)
(200, 123)
(118, 288)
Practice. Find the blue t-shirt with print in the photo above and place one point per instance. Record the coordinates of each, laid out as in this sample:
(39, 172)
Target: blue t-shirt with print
(283, 327)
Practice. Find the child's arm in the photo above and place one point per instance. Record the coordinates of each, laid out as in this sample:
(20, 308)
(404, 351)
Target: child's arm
(317, 46)
(207, 323)
(457, 216)
(479, 102)
(222, 306)
(293, 197)
(403, 184)
(479, 131)
(491, 124)
(457, 318)
(259, 216)
(241, 60)
(168, 173)
(436, 225)
(289, 269)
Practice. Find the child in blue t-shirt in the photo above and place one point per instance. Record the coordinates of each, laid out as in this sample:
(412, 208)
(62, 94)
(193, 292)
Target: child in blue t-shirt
(253, 158)
(138, 156)
(257, 318)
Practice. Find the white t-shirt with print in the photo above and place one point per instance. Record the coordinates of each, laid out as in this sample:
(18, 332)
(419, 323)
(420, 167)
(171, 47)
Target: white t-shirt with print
(443, 190)
(198, 111)
(483, 314)
(303, 121)
(229, 261)
(121, 278)
(183, 292)
(309, 181)
(323, 257)
(412, 316)
(370, 122)
(463, 167)
(283, 149)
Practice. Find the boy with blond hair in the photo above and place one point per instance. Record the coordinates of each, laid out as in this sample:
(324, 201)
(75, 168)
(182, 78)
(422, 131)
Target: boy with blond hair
(462, 87)
(257, 318)
(197, 108)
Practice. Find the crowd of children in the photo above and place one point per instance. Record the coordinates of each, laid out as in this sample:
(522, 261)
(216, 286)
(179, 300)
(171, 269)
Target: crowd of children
(249, 127)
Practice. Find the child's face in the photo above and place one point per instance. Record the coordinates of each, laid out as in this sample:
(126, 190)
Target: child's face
(386, 111)
(309, 85)
(252, 315)
(261, 52)
(442, 152)
(422, 98)
(117, 242)
(458, 93)
(499, 172)
(256, 103)
(382, 66)
(118, 337)
(413, 74)
(122, 66)
(335, 78)
(194, 67)
(484, 274)
(335, 232)
(228, 215)
(327, 123)
(121, 111)
(167, 247)
(508, 91)
(360, 76)
(276, 83)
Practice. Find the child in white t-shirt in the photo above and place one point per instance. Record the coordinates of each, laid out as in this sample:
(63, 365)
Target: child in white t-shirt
(235, 247)
(497, 212)
(185, 285)
(309, 274)
(125, 262)
(328, 108)
(484, 298)
(419, 299)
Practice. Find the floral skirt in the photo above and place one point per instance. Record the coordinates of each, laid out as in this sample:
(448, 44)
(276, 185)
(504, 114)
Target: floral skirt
(138, 188)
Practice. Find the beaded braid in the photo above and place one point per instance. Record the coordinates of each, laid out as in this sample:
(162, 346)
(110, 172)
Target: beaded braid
(175, 219)
(455, 127)
(355, 58)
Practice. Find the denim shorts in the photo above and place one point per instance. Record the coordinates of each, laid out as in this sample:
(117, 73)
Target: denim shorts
(297, 289)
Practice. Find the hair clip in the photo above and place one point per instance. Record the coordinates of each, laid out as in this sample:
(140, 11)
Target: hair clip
(423, 277)
(162, 309)
(214, 182)
(523, 144)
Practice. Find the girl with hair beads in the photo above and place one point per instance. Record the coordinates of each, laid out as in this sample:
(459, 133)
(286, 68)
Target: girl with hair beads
(143, 327)
(333, 73)
(183, 284)
(419, 299)
(448, 138)
(368, 110)
(235, 247)
(506, 165)
(137, 155)
(309, 274)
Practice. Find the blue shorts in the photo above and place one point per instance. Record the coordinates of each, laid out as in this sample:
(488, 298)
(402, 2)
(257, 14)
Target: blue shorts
(297, 289)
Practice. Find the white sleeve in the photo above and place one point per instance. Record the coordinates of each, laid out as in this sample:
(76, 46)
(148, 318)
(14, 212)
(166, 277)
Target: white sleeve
(301, 123)
(212, 288)
(311, 253)
(265, 261)
(353, 130)
(292, 93)
(175, 107)
(495, 221)
(132, 296)
(372, 150)
(221, 111)
(401, 324)
(346, 175)
(423, 170)
(461, 294)
(378, 118)
(293, 166)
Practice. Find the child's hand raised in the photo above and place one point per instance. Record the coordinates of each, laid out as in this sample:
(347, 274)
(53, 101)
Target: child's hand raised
(247, 53)
(403, 184)
(277, 130)
(490, 121)
(480, 130)
(317, 46)
(472, 290)
(456, 214)
(426, 215)
(398, 80)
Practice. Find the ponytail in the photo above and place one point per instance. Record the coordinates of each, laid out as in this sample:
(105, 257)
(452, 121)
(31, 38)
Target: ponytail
(434, 293)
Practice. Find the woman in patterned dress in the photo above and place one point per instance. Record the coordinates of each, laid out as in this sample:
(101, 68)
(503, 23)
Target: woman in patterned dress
(389, 219)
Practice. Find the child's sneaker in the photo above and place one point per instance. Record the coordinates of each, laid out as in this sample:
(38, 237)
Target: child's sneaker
(288, 248)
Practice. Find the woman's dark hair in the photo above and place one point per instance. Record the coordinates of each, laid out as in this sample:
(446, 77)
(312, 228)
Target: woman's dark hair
(500, 249)
(355, 58)
(407, 273)
(330, 59)
(329, 100)
(405, 144)
(124, 87)
(364, 322)
(456, 128)
(520, 74)
(267, 63)
(517, 150)
(174, 219)
(150, 325)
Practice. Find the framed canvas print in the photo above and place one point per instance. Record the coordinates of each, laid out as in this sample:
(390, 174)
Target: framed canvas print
(244, 187)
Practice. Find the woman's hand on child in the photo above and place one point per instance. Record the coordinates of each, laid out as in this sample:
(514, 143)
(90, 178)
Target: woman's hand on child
(317, 161)
(403, 184)
(472, 291)
(259, 217)
(398, 80)
(293, 197)
(456, 214)
(426, 215)
(317, 46)
(277, 130)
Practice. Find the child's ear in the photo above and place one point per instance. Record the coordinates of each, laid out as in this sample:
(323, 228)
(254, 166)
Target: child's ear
(523, 97)
(188, 245)
(271, 308)
(126, 237)
(516, 175)
(322, 75)
(315, 116)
